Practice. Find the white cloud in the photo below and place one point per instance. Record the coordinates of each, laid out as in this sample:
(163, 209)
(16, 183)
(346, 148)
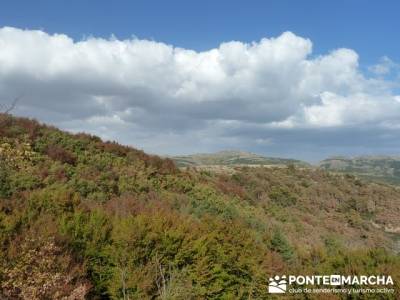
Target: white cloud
(384, 67)
(143, 92)
(357, 109)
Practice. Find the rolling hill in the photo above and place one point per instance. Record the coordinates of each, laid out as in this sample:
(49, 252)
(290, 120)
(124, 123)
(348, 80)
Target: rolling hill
(81, 218)
(376, 168)
(384, 169)
(230, 158)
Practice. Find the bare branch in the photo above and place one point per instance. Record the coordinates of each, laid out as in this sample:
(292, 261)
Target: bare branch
(5, 110)
(11, 107)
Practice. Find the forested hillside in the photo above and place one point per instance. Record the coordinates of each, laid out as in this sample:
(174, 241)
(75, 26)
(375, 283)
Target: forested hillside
(82, 218)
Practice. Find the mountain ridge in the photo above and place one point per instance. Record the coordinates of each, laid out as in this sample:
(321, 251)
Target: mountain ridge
(233, 157)
(382, 168)
(377, 167)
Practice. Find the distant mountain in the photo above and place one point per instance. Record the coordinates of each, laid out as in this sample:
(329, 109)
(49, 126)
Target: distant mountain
(381, 168)
(230, 158)
(375, 168)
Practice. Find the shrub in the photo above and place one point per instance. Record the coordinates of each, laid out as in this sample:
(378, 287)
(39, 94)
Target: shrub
(280, 244)
(281, 196)
(58, 153)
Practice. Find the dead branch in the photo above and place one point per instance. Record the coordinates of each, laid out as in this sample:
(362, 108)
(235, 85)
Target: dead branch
(6, 109)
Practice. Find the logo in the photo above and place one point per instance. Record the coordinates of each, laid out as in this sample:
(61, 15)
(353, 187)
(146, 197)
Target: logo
(277, 285)
(335, 280)
(330, 283)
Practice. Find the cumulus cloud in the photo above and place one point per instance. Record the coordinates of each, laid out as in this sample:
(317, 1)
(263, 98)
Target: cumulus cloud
(254, 96)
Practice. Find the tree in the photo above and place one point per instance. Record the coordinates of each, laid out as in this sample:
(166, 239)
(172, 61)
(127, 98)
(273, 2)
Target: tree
(280, 244)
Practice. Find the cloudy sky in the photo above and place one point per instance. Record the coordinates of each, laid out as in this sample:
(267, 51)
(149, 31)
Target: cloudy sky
(272, 94)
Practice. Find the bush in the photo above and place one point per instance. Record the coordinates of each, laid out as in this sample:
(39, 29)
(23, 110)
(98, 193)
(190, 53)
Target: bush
(281, 196)
(58, 153)
(280, 244)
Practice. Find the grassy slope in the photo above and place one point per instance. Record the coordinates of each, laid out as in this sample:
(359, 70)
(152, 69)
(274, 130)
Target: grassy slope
(83, 217)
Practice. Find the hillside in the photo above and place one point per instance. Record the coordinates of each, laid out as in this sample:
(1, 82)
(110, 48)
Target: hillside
(85, 219)
(230, 158)
(376, 168)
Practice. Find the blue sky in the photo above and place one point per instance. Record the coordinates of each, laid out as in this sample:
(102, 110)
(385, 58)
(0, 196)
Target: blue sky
(369, 27)
(302, 79)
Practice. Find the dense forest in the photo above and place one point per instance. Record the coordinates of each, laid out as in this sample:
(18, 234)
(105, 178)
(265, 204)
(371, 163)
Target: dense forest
(85, 219)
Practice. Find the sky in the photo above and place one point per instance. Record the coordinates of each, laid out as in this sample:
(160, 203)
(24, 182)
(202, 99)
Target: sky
(301, 79)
